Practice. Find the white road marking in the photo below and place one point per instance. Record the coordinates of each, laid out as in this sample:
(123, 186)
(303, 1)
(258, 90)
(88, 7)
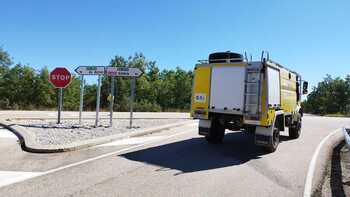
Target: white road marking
(51, 114)
(4, 133)
(312, 165)
(38, 174)
(131, 141)
(347, 137)
(9, 177)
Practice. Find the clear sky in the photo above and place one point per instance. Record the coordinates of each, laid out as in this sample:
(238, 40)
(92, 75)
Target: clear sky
(311, 37)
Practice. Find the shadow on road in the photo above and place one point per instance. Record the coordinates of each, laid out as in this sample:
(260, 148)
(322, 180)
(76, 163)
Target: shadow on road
(196, 154)
(336, 172)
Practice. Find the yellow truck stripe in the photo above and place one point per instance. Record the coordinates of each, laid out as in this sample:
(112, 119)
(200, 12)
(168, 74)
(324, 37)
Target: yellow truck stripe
(201, 90)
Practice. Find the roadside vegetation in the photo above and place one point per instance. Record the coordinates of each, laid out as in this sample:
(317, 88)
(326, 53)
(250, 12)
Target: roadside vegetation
(331, 97)
(24, 88)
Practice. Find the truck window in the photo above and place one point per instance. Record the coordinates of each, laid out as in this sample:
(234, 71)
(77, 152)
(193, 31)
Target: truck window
(298, 91)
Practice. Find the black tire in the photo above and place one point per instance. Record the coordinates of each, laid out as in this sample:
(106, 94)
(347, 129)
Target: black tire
(216, 132)
(295, 130)
(274, 141)
(250, 129)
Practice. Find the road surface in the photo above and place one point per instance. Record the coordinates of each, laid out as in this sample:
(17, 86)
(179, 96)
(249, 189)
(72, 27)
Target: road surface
(175, 162)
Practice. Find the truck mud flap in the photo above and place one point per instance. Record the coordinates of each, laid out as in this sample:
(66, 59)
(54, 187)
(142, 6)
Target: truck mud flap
(204, 127)
(262, 140)
(203, 131)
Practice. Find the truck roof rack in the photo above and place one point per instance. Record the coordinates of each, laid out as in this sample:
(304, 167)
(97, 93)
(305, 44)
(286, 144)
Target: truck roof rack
(230, 57)
(223, 57)
(267, 58)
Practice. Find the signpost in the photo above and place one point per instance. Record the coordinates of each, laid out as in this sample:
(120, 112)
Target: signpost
(111, 102)
(132, 96)
(90, 70)
(112, 72)
(60, 78)
(123, 72)
(81, 97)
(98, 100)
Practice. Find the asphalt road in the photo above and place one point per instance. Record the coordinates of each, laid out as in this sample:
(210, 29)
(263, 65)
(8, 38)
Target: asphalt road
(175, 162)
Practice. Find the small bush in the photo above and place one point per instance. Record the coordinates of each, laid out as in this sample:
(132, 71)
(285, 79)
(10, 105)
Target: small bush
(145, 106)
(5, 104)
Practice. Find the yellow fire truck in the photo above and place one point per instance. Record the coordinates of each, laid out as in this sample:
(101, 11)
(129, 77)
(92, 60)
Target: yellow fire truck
(261, 97)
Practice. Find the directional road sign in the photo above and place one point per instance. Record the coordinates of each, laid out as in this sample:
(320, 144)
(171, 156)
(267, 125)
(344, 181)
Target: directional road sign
(60, 77)
(123, 72)
(90, 70)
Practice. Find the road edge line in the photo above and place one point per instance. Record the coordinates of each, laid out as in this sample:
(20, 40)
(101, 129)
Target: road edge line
(309, 182)
(94, 158)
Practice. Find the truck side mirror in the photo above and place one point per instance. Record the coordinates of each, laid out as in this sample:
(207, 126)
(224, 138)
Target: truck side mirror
(305, 85)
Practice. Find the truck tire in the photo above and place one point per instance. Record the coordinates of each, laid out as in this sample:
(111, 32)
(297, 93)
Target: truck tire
(216, 132)
(250, 129)
(274, 141)
(295, 130)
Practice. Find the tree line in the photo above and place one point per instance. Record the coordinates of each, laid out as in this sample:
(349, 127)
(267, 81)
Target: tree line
(330, 96)
(24, 88)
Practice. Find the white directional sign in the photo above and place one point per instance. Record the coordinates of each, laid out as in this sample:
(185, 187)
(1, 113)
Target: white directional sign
(90, 70)
(123, 72)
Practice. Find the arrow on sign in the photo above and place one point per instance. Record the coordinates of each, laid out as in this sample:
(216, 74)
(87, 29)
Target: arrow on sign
(123, 72)
(90, 70)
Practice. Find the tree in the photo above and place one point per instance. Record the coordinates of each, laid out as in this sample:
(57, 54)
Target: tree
(5, 60)
(22, 87)
(166, 96)
(44, 91)
(72, 95)
(329, 97)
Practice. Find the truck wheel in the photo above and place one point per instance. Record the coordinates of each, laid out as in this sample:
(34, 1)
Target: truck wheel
(295, 130)
(250, 129)
(274, 141)
(216, 133)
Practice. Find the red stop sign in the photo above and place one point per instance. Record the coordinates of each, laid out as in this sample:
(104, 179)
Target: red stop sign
(60, 77)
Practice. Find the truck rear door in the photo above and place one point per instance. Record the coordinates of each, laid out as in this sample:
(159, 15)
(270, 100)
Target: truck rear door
(227, 88)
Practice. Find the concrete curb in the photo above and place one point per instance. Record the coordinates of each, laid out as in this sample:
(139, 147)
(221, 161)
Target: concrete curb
(346, 136)
(29, 144)
(324, 155)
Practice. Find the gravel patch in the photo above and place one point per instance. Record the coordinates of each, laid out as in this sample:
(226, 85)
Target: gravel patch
(337, 177)
(50, 133)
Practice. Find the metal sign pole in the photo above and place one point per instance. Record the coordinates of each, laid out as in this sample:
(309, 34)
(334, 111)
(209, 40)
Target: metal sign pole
(81, 97)
(132, 100)
(111, 102)
(98, 99)
(59, 105)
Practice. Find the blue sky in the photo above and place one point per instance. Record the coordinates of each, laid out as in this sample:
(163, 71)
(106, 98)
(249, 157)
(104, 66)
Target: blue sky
(311, 37)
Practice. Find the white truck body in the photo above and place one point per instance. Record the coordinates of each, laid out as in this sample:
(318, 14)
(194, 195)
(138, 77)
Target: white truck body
(274, 86)
(227, 89)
